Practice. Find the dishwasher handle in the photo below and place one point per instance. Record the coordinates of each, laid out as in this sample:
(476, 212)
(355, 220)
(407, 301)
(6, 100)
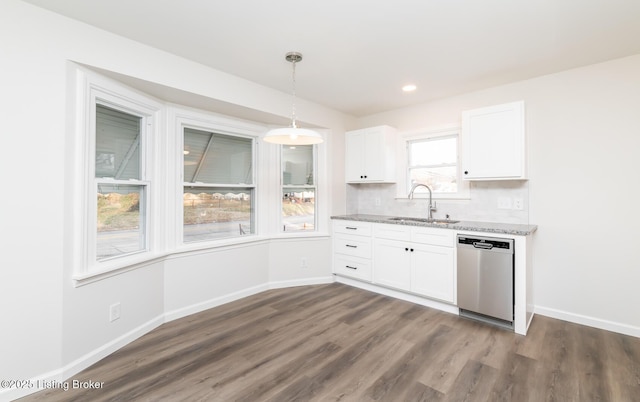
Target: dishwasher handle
(484, 246)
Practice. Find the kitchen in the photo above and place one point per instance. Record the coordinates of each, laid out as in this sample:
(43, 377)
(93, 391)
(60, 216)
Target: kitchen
(582, 126)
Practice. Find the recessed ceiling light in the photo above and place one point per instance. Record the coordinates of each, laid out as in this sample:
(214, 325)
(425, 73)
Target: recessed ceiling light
(409, 88)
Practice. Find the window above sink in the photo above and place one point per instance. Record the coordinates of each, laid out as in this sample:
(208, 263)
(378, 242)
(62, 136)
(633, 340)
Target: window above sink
(431, 157)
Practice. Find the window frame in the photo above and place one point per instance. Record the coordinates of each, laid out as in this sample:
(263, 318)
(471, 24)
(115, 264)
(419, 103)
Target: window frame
(91, 90)
(210, 122)
(142, 183)
(315, 186)
(404, 178)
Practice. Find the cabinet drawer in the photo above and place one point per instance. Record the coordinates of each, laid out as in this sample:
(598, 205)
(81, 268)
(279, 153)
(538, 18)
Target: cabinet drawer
(392, 232)
(355, 246)
(352, 227)
(432, 236)
(359, 268)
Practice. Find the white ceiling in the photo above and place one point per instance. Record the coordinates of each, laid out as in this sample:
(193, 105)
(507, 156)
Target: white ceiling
(359, 53)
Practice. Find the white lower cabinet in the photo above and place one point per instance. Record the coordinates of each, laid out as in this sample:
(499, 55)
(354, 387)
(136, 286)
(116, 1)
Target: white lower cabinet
(412, 259)
(392, 264)
(415, 259)
(432, 272)
(352, 249)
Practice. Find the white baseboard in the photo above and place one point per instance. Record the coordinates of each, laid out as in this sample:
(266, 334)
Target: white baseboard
(399, 295)
(589, 321)
(59, 376)
(215, 302)
(218, 301)
(321, 280)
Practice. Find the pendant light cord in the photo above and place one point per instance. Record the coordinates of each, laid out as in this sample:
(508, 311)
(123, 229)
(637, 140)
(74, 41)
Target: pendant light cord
(293, 102)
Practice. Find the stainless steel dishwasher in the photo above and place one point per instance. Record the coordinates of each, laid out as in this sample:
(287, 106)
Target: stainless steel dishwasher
(485, 279)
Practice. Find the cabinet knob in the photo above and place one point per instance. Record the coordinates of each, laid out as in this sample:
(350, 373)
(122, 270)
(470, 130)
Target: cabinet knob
(466, 172)
(412, 250)
(406, 249)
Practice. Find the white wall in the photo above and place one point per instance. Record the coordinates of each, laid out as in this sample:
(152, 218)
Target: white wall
(583, 128)
(198, 280)
(287, 255)
(50, 327)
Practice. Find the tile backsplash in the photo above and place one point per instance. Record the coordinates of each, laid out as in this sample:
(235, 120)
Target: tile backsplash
(483, 205)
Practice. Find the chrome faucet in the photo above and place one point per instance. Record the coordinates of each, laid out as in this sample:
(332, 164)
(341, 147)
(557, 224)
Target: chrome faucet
(432, 205)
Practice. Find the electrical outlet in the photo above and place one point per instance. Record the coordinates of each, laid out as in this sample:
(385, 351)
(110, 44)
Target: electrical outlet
(376, 201)
(504, 203)
(518, 203)
(114, 312)
(303, 263)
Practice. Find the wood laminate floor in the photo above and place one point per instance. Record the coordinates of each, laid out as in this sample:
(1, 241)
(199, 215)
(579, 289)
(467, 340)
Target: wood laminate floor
(339, 343)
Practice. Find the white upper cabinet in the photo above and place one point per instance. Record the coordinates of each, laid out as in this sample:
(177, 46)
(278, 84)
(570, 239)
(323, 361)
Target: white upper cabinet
(370, 155)
(493, 143)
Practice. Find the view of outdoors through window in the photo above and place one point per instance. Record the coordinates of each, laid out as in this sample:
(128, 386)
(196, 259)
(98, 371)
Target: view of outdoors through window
(218, 186)
(213, 213)
(299, 188)
(120, 223)
(120, 193)
(432, 161)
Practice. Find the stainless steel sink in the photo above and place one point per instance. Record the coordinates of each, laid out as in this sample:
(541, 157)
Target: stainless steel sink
(423, 220)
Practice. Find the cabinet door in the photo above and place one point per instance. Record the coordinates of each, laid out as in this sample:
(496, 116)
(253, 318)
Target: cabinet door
(432, 272)
(493, 142)
(354, 156)
(374, 155)
(370, 155)
(391, 264)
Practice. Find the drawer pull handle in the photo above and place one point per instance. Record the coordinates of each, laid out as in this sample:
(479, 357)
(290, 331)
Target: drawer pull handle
(350, 245)
(351, 228)
(350, 267)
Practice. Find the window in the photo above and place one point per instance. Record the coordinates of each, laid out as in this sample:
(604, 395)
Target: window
(218, 195)
(119, 178)
(432, 159)
(298, 188)
(115, 204)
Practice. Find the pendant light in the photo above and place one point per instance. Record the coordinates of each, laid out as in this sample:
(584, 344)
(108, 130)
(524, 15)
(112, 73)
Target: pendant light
(293, 135)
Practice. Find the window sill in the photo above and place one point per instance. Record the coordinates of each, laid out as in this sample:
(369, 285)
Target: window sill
(206, 246)
(117, 268)
(300, 235)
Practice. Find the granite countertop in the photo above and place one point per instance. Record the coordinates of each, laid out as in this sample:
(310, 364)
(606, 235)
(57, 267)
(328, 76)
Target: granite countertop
(488, 227)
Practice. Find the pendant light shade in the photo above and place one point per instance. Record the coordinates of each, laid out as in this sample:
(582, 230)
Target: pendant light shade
(293, 135)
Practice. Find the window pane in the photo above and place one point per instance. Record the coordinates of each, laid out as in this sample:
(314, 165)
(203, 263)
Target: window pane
(297, 165)
(216, 158)
(432, 152)
(216, 213)
(298, 209)
(120, 220)
(439, 179)
(117, 144)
